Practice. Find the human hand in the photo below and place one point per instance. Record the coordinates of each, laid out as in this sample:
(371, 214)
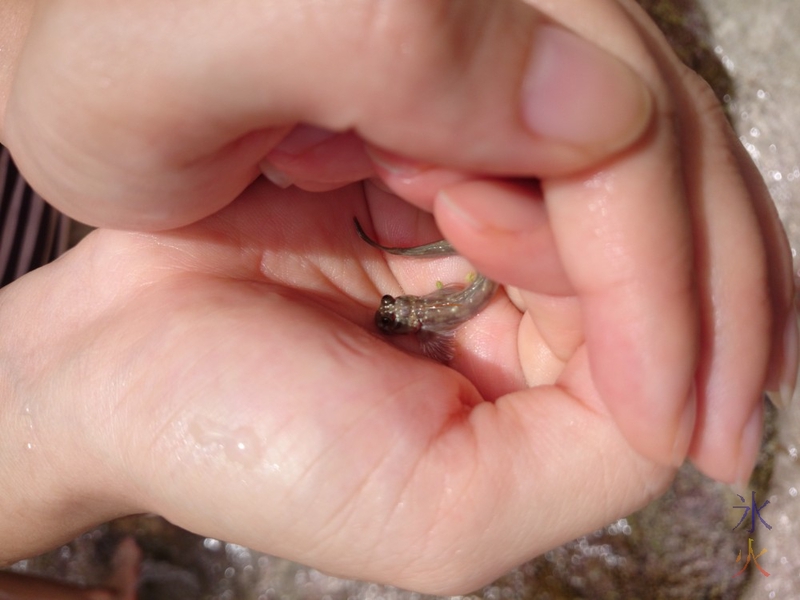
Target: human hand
(154, 115)
(188, 175)
(227, 376)
(667, 264)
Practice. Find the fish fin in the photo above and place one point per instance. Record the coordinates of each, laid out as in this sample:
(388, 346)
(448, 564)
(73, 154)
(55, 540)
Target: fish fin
(438, 345)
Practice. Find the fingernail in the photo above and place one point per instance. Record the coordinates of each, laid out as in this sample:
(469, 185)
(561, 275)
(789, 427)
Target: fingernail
(490, 205)
(575, 92)
(394, 164)
(276, 176)
(685, 431)
(302, 138)
(750, 443)
(782, 398)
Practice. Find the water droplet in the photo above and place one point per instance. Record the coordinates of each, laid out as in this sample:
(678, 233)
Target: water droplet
(240, 445)
(243, 447)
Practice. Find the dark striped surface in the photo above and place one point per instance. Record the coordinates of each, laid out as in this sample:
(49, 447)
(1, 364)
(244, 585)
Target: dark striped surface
(32, 233)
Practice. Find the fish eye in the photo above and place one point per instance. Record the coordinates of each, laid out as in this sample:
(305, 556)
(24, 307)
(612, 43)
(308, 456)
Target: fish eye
(387, 300)
(384, 321)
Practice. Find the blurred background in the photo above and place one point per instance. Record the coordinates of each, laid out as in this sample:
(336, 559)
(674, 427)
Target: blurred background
(683, 545)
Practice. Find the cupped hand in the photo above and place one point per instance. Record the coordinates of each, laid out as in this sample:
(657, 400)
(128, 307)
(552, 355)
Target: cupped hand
(228, 376)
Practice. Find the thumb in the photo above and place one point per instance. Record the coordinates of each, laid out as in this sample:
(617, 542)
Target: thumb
(155, 114)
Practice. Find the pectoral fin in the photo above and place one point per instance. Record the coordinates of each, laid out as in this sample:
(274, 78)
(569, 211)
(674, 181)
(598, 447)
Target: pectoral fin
(440, 346)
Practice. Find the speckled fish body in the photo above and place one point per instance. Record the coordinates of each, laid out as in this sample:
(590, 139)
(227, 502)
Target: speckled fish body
(435, 316)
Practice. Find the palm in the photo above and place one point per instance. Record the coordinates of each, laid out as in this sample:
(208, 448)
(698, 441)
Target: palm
(256, 386)
(296, 257)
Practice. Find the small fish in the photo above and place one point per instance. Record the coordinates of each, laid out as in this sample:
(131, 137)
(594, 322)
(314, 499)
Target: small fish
(434, 317)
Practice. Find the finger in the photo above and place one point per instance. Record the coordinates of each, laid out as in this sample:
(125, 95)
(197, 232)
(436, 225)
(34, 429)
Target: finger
(744, 280)
(503, 229)
(739, 295)
(747, 290)
(182, 119)
(317, 160)
(783, 364)
(623, 234)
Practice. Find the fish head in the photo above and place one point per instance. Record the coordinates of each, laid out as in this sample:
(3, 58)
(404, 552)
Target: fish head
(396, 316)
